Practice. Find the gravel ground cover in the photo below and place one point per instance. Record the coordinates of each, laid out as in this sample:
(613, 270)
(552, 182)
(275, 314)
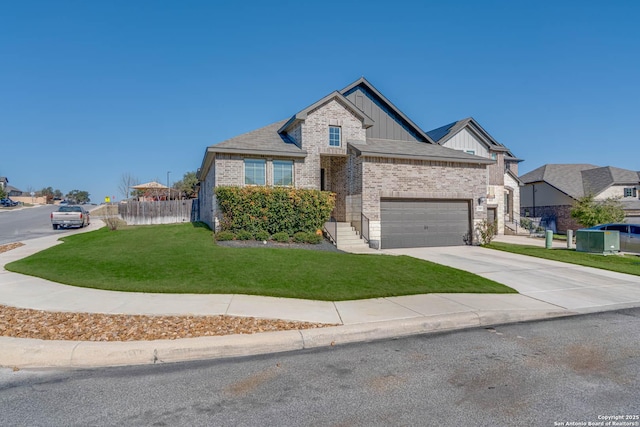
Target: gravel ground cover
(45, 325)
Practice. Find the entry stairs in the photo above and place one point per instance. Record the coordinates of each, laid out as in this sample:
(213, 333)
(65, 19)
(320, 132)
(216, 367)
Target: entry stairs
(348, 239)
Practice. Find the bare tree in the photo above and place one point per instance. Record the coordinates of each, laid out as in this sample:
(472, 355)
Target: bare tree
(127, 180)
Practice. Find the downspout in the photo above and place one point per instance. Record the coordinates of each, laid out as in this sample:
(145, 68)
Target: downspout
(533, 193)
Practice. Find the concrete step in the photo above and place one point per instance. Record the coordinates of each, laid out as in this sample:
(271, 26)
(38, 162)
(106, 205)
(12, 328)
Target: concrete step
(348, 237)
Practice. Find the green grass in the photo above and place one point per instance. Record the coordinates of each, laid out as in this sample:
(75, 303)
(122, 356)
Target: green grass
(184, 258)
(629, 264)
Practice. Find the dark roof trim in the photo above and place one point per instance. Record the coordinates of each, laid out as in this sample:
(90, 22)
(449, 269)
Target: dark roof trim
(246, 151)
(514, 159)
(302, 115)
(473, 126)
(363, 82)
(366, 153)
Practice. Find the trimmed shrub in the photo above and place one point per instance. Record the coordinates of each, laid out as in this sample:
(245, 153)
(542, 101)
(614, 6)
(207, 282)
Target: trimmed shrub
(244, 235)
(262, 235)
(301, 237)
(225, 235)
(273, 209)
(314, 238)
(281, 237)
(487, 231)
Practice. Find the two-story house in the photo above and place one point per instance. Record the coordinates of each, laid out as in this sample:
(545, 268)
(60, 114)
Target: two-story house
(394, 183)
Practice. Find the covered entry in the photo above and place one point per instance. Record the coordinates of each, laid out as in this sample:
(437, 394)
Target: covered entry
(408, 223)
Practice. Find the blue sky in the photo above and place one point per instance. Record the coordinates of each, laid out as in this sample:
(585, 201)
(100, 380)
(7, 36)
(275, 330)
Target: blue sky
(90, 90)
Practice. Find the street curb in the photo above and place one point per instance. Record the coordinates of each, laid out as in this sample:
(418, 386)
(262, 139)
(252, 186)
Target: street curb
(34, 353)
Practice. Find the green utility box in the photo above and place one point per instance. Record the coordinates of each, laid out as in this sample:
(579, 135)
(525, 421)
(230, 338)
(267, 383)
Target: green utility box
(598, 241)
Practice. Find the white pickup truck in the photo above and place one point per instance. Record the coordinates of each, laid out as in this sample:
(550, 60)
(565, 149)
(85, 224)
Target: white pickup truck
(69, 216)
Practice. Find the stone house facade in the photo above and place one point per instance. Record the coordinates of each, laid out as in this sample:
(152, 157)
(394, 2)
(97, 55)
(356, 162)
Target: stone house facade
(388, 175)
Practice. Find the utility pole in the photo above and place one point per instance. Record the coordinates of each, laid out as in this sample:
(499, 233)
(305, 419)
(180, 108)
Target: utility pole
(168, 186)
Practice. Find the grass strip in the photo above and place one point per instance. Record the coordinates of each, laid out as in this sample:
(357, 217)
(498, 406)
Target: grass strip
(629, 264)
(183, 258)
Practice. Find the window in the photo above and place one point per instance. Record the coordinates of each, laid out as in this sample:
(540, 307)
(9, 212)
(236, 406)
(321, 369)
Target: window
(494, 156)
(618, 227)
(470, 151)
(282, 172)
(630, 192)
(334, 136)
(254, 172)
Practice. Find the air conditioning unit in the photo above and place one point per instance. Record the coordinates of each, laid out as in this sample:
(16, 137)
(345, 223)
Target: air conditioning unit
(604, 242)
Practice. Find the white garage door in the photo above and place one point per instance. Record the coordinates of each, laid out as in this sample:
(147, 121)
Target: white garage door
(409, 223)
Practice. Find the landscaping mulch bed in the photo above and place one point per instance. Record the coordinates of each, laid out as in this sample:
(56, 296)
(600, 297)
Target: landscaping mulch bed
(9, 246)
(46, 325)
(322, 246)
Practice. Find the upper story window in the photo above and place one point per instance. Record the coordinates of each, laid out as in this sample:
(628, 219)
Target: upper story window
(334, 136)
(494, 156)
(283, 172)
(470, 151)
(254, 171)
(630, 192)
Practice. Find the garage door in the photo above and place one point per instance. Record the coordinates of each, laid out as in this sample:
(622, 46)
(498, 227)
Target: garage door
(409, 223)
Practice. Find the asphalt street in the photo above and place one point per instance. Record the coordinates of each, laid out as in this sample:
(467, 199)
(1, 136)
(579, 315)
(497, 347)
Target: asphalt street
(571, 370)
(28, 223)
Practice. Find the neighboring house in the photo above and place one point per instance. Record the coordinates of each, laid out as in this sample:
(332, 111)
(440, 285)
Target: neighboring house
(392, 181)
(9, 189)
(550, 191)
(503, 196)
(12, 191)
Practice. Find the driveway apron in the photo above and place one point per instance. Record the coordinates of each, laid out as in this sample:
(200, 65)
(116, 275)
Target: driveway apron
(569, 286)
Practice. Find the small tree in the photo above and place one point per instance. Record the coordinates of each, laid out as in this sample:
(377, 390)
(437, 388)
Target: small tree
(78, 196)
(589, 212)
(187, 185)
(3, 194)
(487, 231)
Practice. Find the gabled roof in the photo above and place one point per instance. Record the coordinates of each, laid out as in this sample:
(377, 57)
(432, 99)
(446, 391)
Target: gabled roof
(337, 96)
(599, 179)
(263, 141)
(444, 133)
(363, 83)
(273, 140)
(579, 180)
(266, 141)
(390, 148)
(12, 189)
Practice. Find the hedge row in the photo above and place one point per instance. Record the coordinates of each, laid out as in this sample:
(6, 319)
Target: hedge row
(281, 237)
(273, 209)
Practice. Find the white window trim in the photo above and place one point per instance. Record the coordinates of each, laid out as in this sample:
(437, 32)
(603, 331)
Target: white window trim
(339, 134)
(273, 172)
(244, 171)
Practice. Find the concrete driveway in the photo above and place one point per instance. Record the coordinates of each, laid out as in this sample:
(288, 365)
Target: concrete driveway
(577, 288)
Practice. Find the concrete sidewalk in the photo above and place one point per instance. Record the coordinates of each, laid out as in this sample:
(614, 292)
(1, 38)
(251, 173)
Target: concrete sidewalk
(361, 320)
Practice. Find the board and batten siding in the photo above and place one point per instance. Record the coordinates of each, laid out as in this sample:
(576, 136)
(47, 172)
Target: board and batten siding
(385, 126)
(465, 141)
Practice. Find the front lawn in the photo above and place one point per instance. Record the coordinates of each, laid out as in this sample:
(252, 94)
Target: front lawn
(629, 264)
(183, 258)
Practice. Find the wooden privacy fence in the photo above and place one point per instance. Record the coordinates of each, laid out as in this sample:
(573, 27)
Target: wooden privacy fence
(160, 212)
